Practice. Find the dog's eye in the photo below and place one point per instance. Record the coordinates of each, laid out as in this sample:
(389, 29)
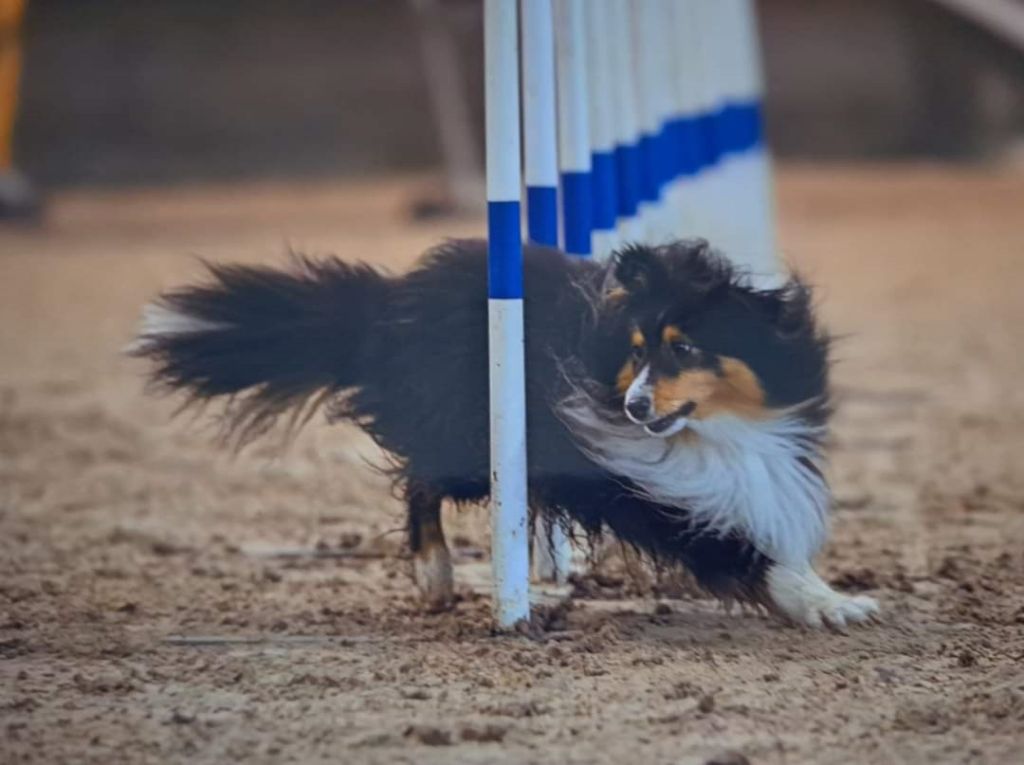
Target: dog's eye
(682, 349)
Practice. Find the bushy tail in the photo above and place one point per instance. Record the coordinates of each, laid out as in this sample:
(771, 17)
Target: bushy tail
(271, 339)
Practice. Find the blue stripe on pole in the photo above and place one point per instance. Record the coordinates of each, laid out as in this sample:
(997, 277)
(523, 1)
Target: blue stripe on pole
(735, 127)
(603, 177)
(649, 171)
(542, 215)
(711, 150)
(664, 157)
(577, 212)
(686, 135)
(504, 251)
(731, 129)
(673, 160)
(627, 177)
(684, 147)
(745, 124)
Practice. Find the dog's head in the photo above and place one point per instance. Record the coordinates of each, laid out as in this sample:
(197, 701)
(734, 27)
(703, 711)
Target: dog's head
(700, 342)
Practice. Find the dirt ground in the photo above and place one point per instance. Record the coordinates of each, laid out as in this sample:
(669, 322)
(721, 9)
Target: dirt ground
(122, 530)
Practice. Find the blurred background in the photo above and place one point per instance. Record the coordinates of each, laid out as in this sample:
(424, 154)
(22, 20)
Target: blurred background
(119, 92)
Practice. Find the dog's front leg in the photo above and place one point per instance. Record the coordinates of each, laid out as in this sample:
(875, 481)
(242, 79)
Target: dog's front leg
(798, 594)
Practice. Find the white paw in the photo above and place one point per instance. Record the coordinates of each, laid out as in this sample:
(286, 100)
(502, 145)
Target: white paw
(432, 569)
(803, 597)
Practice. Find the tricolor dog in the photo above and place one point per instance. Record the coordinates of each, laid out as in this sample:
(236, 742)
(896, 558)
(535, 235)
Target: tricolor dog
(669, 402)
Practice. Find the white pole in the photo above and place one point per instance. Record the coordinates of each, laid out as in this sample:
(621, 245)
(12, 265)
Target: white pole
(618, 47)
(685, 195)
(735, 188)
(573, 127)
(552, 553)
(741, 211)
(659, 30)
(755, 161)
(600, 72)
(643, 19)
(715, 211)
(509, 537)
(539, 128)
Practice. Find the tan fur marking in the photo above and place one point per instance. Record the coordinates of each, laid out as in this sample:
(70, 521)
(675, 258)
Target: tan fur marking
(625, 378)
(736, 391)
(628, 372)
(670, 393)
(672, 334)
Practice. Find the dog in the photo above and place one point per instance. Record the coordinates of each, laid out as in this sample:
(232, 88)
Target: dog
(669, 401)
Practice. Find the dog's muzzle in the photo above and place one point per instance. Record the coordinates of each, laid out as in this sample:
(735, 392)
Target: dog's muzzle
(640, 409)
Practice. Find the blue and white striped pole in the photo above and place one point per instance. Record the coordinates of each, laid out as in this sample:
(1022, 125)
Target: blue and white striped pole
(539, 127)
(600, 71)
(624, 112)
(720, 60)
(693, 140)
(729, 199)
(752, 162)
(653, 44)
(737, 196)
(687, 146)
(509, 528)
(647, 79)
(573, 127)
(712, 210)
(552, 553)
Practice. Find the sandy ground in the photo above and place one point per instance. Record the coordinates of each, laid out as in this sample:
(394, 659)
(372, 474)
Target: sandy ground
(120, 529)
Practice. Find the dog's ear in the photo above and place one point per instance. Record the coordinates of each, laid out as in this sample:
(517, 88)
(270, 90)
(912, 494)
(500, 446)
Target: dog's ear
(638, 269)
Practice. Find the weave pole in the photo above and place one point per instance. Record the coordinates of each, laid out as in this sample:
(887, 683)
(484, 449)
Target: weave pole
(739, 197)
(539, 129)
(687, 148)
(652, 61)
(510, 555)
(573, 127)
(655, 135)
(600, 74)
(706, 208)
(619, 49)
(754, 169)
(552, 553)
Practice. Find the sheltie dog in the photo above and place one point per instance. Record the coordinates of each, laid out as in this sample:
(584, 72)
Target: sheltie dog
(669, 401)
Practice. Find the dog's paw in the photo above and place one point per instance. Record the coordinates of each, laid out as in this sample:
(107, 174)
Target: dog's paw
(432, 570)
(803, 597)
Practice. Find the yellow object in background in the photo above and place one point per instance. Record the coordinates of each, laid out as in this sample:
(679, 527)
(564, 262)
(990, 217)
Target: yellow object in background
(11, 12)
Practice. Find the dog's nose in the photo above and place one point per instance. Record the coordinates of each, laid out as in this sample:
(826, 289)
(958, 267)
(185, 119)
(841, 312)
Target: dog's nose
(639, 408)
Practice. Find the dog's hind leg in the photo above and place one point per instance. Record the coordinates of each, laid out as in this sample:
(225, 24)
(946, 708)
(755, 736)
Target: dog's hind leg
(432, 563)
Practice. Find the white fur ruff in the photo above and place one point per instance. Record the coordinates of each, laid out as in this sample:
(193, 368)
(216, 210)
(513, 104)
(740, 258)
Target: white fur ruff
(732, 474)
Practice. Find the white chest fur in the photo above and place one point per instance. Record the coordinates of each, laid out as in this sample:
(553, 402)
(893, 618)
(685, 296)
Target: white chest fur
(731, 474)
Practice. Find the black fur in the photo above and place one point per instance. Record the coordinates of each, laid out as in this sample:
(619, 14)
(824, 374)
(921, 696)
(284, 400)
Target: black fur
(406, 358)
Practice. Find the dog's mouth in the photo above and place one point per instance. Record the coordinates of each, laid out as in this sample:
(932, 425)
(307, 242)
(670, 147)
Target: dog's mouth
(672, 423)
